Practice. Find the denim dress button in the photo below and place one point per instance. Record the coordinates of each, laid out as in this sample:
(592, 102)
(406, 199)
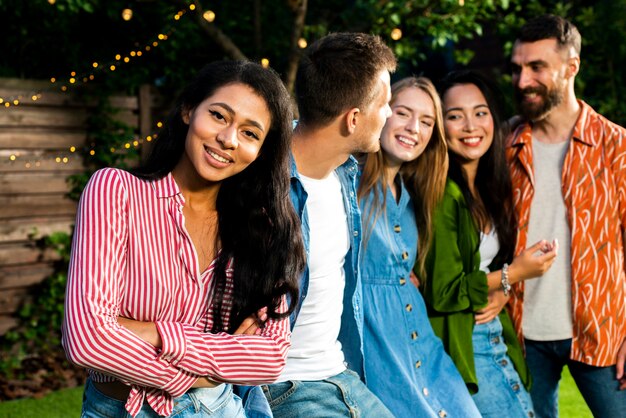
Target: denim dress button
(402, 281)
(443, 413)
(414, 335)
(397, 229)
(418, 364)
(425, 391)
(408, 307)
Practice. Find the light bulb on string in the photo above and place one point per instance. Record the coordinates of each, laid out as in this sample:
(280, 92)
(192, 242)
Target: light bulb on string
(209, 15)
(127, 14)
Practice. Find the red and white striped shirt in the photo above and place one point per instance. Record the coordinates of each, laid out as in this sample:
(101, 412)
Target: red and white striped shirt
(132, 257)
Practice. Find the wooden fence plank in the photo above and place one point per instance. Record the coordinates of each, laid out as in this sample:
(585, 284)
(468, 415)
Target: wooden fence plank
(42, 139)
(16, 230)
(48, 117)
(33, 183)
(19, 277)
(29, 162)
(50, 97)
(23, 206)
(18, 254)
(6, 323)
(12, 299)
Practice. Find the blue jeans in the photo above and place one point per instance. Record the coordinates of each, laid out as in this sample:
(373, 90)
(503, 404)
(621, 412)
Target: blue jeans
(500, 388)
(598, 385)
(343, 395)
(197, 403)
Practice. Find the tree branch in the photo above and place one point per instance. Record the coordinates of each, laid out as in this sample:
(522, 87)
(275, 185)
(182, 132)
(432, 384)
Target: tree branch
(299, 8)
(220, 38)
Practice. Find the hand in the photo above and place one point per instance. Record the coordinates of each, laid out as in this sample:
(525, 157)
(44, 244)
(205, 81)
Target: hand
(253, 324)
(414, 279)
(528, 264)
(147, 331)
(621, 366)
(496, 301)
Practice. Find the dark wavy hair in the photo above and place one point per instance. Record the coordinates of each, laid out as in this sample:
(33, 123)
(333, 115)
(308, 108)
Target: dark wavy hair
(551, 26)
(257, 225)
(493, 181)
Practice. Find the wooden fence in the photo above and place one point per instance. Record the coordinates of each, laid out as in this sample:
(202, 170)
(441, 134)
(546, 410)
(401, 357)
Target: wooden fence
(36, 137)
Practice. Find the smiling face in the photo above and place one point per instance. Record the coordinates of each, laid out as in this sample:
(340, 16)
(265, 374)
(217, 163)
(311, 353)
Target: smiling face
(539, 77)
(410, 127)
(468, 123)
(226, 132)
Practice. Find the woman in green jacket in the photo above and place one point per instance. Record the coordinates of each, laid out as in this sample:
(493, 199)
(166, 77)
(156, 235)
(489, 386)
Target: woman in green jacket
(467, 275)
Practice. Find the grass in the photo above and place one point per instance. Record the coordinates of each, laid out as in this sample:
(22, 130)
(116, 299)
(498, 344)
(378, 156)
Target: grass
(571, 402)
(60, 404)
(67, 402)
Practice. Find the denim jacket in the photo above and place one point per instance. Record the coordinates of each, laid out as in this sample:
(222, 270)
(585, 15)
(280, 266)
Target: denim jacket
(351, 332)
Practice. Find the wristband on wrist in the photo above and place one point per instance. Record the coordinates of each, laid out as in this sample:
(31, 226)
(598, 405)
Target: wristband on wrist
(504, 280)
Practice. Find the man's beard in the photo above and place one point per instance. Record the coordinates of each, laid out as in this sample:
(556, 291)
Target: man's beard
(537, 111)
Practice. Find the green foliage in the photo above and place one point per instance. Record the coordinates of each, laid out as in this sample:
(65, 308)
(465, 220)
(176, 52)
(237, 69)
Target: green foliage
(107, 139)
(601, 81)
(39, 332)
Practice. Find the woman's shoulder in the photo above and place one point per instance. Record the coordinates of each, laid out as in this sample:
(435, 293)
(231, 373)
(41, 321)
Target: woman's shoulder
(110, 179)
(453, 191)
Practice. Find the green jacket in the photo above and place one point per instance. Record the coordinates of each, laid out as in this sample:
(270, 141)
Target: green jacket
(455, 288)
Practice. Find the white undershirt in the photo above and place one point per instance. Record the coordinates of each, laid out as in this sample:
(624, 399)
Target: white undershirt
(548, 299)
(489, 247)
(315, 352)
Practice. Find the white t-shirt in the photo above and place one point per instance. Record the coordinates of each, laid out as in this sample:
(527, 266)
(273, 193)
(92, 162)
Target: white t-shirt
(315, 352)
(548, 299)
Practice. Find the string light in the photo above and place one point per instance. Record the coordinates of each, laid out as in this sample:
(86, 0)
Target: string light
(64, 158)
(209, 16)
(265, 62)
(396, 34)
(97, 66)
(302, 43)
(127, 14)
(461, 2)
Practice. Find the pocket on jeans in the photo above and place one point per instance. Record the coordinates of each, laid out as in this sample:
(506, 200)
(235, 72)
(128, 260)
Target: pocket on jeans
(277, 393)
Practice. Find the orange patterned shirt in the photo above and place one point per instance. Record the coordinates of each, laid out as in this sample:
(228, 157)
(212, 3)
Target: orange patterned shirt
(593, 183)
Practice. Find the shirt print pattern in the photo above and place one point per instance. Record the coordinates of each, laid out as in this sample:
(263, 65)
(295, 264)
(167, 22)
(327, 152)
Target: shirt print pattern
(593, 184)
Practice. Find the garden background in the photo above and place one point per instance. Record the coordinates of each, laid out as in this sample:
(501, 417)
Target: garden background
(85, 83)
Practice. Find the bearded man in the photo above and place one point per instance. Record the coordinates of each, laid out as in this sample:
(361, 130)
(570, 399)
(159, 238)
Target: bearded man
(577, 315)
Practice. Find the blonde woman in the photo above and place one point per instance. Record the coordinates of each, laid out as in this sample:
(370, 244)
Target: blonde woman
(400, 186)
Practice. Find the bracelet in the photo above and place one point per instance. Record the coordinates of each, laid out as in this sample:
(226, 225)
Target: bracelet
(504, 280)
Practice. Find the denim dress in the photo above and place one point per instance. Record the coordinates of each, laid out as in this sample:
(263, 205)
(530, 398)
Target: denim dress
(405, 362)
(500, 387)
